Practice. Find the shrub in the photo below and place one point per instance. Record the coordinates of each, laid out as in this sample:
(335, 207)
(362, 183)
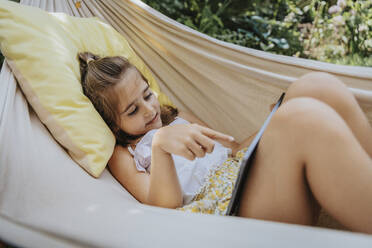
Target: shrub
(340, 33)
(247, 23)
(337, 31)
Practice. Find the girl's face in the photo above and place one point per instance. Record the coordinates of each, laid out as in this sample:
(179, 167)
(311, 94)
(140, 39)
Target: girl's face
(138, 106)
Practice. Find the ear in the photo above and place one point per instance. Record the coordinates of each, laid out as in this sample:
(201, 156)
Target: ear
(114, 128)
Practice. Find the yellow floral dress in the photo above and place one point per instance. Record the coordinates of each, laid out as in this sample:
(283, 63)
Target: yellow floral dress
(214, 196)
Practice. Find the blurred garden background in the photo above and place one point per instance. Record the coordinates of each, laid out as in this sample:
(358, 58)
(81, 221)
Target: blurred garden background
(335, 31)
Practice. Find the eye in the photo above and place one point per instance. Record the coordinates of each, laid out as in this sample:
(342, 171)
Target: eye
(133, 112)
(148, 96)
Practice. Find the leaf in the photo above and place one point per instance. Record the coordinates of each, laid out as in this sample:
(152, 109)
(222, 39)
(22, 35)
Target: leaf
(266, 47)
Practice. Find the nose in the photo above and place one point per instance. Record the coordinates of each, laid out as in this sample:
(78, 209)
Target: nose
(149, 109)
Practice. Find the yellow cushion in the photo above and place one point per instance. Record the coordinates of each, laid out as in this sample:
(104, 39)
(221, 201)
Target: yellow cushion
(41, 49)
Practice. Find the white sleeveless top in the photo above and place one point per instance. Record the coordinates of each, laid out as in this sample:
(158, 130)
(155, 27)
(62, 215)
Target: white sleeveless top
(191, 174)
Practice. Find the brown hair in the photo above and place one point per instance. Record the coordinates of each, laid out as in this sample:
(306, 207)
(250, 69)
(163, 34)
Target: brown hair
(98, 78)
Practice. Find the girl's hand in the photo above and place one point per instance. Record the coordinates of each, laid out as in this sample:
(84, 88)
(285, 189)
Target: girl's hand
(188, 140)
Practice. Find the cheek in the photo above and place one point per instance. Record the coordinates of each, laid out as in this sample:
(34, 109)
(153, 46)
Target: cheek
(131, 125)
(156, 103)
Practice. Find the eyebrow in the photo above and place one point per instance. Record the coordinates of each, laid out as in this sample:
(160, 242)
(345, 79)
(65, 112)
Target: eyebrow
(130, 105)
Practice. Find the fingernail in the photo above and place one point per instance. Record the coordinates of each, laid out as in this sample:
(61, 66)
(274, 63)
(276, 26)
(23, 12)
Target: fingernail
(231, 138)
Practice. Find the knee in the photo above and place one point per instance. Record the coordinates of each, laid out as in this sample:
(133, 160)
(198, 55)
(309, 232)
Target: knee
(320, 78)
(305, 115)
(319, 85)
(300, 122)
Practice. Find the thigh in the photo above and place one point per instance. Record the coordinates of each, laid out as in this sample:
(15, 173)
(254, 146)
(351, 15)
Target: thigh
(276, 188)
(330, 90)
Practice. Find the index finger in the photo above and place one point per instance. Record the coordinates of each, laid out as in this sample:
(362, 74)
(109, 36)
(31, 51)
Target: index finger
(213, 134)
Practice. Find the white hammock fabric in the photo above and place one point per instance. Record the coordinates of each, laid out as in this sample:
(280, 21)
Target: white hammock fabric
(46, 200)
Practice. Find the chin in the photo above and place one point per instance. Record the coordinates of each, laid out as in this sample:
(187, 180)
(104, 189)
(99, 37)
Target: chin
(156, 125)
(159, 125)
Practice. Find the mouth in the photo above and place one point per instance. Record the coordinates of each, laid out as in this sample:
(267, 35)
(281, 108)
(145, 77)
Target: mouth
(153, 119)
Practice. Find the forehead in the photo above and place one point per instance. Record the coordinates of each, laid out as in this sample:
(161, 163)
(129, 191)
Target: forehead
(131, 87)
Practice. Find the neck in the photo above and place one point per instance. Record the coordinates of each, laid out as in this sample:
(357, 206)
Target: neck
(133, 144)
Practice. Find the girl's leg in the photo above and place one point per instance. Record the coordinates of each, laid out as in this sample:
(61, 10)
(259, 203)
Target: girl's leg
(308, 151)
(332, 91)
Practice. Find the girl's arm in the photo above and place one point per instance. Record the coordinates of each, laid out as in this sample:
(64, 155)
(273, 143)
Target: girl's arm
(164, 187)
(234, 146)
(163, 182)
(161, 187)
(123, 168)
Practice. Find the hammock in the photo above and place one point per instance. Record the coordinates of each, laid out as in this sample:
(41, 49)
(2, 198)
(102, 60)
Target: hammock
(59, 206)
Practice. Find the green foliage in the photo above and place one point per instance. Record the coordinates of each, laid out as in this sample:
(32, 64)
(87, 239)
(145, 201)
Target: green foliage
(340, 33)
(242, 22)
(354, 59)
(301, 28)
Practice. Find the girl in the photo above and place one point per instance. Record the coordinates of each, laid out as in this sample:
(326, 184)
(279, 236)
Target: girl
(315, 152)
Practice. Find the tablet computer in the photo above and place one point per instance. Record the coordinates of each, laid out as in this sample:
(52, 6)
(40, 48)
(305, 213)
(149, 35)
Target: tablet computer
(246, 163)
